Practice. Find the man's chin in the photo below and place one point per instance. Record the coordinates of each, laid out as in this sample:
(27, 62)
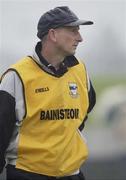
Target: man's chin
(71, 53)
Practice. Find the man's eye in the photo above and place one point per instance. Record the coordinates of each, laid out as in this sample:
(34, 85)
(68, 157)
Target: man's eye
(73, 30)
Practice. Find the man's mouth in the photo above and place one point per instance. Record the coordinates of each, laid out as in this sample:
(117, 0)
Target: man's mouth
(75, 45)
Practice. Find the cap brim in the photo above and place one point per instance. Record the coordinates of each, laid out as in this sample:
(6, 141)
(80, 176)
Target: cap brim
(79, 22)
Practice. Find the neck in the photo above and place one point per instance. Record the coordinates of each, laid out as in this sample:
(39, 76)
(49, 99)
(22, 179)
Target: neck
(52, 56)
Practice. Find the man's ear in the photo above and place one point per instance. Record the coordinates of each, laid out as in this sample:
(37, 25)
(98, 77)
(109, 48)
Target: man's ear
(52, 35)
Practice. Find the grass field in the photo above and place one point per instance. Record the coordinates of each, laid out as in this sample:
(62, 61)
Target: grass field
(102, 82)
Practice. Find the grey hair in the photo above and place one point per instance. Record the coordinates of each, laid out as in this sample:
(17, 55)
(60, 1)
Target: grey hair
(44, 38)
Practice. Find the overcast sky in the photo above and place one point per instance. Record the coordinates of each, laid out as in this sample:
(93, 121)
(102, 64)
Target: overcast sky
(104, 44)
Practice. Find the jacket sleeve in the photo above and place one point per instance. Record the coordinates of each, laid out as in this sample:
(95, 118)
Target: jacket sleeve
(7, 122)
(92, 97)
(92, 102)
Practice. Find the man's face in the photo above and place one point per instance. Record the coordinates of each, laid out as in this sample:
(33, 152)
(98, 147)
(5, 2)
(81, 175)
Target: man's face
(67, 40)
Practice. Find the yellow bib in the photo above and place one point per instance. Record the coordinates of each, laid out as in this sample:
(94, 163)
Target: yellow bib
(49, 140)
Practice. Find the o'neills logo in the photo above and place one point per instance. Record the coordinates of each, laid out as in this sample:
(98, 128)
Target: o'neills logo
(59, 114)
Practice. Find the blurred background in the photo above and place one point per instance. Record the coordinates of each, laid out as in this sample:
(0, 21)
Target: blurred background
(104, 52)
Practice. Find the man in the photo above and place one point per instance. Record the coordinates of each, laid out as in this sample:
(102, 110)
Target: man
(44, 102)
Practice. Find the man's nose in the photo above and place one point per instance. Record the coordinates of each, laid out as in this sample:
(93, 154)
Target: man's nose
(80, 39)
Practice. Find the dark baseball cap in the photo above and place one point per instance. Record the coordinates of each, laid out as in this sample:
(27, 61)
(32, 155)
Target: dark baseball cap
(58, 17)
